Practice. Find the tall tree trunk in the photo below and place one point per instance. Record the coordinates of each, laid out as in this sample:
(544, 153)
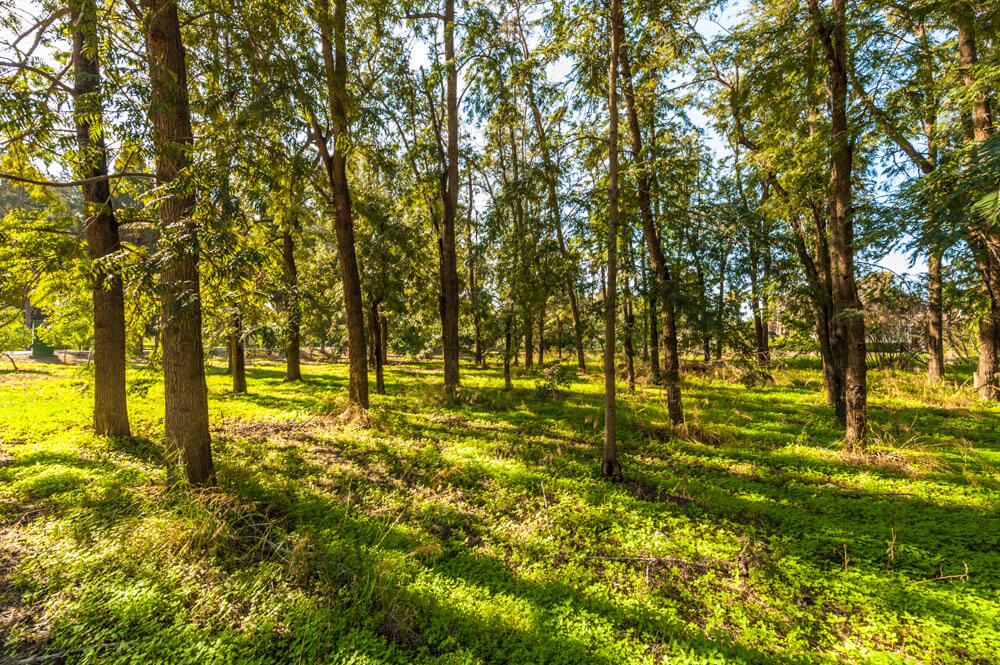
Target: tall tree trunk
(473, 288)
(983, 239)
(384, 329)
(720, 305)
(185, 391)
(657, 259)
(610, 466)
(449, 261)
(529, 344)
(290, 274)
(627, 336)
(935, 318)
(100, 228)
(847, 306)
(375, 323)
(507, 351)
(238, 354)
(336, 81)
(541, 336)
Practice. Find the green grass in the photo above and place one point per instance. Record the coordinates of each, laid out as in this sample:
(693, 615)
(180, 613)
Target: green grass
(748, 536)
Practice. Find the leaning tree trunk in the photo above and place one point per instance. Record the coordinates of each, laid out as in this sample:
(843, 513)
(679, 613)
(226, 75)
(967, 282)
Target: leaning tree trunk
(100, 228)
(238, 354)
(610, 466)
(335, 62)
(657, 259)
(847, 305)
(290, 274)
(185, 391)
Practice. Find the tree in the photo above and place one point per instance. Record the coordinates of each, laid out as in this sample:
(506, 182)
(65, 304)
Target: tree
(610, 466)
(185, 391)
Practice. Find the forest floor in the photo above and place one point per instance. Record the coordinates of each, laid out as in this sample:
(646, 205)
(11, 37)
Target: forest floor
(482, 532)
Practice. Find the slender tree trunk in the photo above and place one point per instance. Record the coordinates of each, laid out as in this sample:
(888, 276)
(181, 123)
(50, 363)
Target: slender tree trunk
(610, 466)
(185, 391)
(847, 306)
(627, 336)
(935, 318)
(290, 273)
(657, 259)
(449, 261)
(529, 344)
(507, 351)
(375, 322)
(384, 329)
(336, 80)
(238, 355)
(541, 337)
(100, 228)
(984, 240)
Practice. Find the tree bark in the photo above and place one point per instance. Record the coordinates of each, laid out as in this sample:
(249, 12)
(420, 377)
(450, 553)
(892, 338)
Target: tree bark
(290, 273)
(657, 259)
(335, 61)
(449, 269)
(848, 312)
(375, 323)
(529, 344)
(238, 354)
(627, 336)
(983, 239)
(541, 336)
(507, 384)
(935, 318)
(185, 391)
(610, 466)
(100, 228)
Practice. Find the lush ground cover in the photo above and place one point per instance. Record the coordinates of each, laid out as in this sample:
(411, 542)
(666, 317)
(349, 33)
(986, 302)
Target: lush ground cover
(482, 532)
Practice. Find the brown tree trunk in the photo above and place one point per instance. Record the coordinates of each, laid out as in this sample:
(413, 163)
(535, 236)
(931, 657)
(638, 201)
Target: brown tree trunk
(529, 344)
(507, 352)
(541, 336)
(847, 306)
(238, 355)
(384, 329)
(610, 466)
(185, 391)
(336, 80)
(984, 240)
(290, 273)
(375, 323)
(100, 228)
(449, 261)
(935, 318)
(627, 337)
(657, 259)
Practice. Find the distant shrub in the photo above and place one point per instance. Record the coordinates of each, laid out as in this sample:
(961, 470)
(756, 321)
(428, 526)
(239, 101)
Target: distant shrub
(550, 379)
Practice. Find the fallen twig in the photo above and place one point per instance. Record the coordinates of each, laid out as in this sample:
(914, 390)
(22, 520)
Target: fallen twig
(963, 576)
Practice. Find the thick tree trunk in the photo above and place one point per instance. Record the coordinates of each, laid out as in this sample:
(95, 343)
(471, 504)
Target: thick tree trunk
(657, 259)
(847, 306)
(935, 318)
(100, 228)
(185, 391)
(449, 261)
(336, 80)
(290, 274)
(238, 355)
(610, 466)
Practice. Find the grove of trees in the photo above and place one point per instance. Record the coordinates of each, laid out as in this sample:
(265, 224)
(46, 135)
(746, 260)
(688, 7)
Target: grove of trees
(494, 181)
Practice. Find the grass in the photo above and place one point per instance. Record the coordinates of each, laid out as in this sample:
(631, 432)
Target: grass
(481, 532)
